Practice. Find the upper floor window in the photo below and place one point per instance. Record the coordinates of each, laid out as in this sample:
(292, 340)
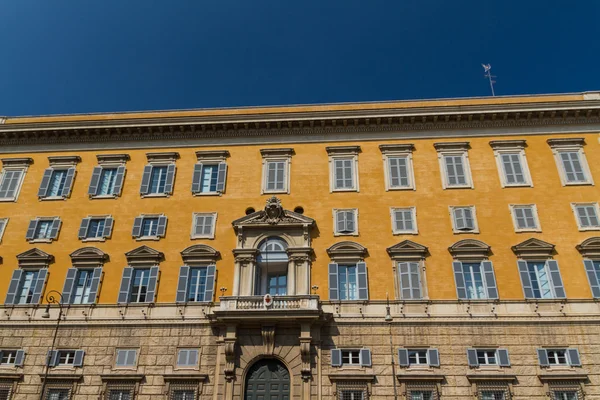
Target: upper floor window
(95, 228)
(125, 358)
(343, 166)
(592, 268)
(348, 282)
(511, 162)
(149, 227)
(65, 358)
(12, 358)
(138, 285)
(418, 357)
(570, 159)
(26, 286)
(475, 280)
(81, 285)
(559, 357)
(159, 175)
(351, 357)
(454, 164)
(11, 179)
(196, 284)
(107, 178)
(3, 223)
(43, 229)
(210, 173)
(398, 166)
(488, 357)
(204, 225)
(187, 358)
(410, 280)
(586, 215)
(276, 170)
(541, 279)
(404, 220)
(345, 221)
(525, 218)
(464, 219)
(57, 181)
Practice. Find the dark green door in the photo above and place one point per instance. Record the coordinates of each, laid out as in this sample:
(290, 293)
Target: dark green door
(268, 380)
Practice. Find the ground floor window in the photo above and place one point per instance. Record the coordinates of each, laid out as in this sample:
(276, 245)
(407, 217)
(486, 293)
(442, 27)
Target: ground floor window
(119, 391)
(352, 391)
(421, 391)
(183, 390)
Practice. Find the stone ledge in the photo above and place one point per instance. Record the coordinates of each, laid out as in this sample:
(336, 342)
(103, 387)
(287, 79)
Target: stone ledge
(486, 377)
(185, 377)
(122, 377)
(351, 376)
(562, 377)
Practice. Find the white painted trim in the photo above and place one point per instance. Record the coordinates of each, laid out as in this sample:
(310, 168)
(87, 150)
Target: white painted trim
(578, 222)
(19, 185)
(556, 150)
(473, 211)
(524, 167)
(413, 210)
(466, 166)
(154, 238)
(410, 170)
(211, 235)
(335, 231)
(538, 226)
(354, 158)
(286, 171)
(3, 228)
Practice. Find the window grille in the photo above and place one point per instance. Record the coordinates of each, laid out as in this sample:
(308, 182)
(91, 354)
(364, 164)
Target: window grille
(183, 391)
(421, 391)
(566, 390)
(493, 391)
(6, 390)
(119, 391)
(352, 391)
(58, 391)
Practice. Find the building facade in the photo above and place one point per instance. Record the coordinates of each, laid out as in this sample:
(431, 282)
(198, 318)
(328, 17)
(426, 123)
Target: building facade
(445, 249)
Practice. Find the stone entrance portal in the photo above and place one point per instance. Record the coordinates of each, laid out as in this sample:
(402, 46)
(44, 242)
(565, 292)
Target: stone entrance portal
(268, 379)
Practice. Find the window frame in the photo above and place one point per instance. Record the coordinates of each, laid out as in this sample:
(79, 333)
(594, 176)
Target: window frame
(413, 211)
(538, 226)
(211, 235)
(154, 237)
(486, 357)
(286, 160)
(398, 151)
(350, 352)
(418, 364)
(559, 146)
(208, 163)
(474, 216)
(139, 292)
(60, 167)
(343, 152)
(12, 359)
(23, 170)
(114, 195)
(565, 355)
(70, 356)
(135, 362)
(548, 275)
(3, 226)
(101, 238)
(335, 228)
(578, 221)
(45, 240)
(195, 366)
(398, 278)
(502, 147)
(460, 149)
(84, 296)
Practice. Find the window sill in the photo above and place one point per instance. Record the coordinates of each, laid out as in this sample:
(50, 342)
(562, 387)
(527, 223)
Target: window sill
(53, 198)
(465, 232)
(151, 195)
(283, 191)
(200, 194)
(202, 237)
(344, 190)
(595, 228)
(405, 233)
(148, 238)
(129, 368)
(459, 187)
(578, 184)
(517, 185)
(400, 188)
(345, 234)
(182, 368)
(93, 239)
(6, 367)
(103, 196)
(7, 200)
(40, 241)
(64, 367)
(419, 367)
(528, 230)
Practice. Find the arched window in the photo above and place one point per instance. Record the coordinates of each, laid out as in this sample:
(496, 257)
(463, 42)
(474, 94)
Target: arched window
(272, 249)
(272, 267)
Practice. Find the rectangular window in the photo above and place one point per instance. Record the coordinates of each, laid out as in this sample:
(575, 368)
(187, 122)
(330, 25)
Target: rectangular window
(404, 220)
(277, 284)
(108, 178)
(8, 357)
(352, 395)
(399, 172)
(417, 357)
(96, 228)
(57, 183)
(149, 226)
(119, 394)
(564, 395)
(29, 280)
(83, 286)
(66, 357)
(182, 394)
(455, 170)
(57, 394)
(348, 288)
(572, 167)
(343, 174)
(275, 176)
(570, 160)
(5, 391)
(540, 280)
(204, 225)
(420, 395)
(209, 178)
(410, 280)
(525, 218)
(345, 222)
(350, 357)
(10, 183)
(3, 223)
(587, 216)
(43, 229)
(158, 179)
(557, 357)
(474, 281)
(187, 358)
(486, 357)
(492, 395)
(464, 219)
(139, 285)
(126, 358)
(512, 166)
(197, 284)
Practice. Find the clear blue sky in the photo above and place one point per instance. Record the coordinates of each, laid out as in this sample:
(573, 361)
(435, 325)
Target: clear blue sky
(73, 56)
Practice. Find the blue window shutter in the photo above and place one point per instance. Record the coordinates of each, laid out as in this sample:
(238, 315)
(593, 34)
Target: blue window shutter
(119, 180)
(43, 191)
(152, 284)
(182, 284)
(461, 290)
(95, 285)
(490, 279)
(363, 282)
(403, 357)
(83, 228)
(52, 358)
(197, 178)
(69, 283)
(31, 229)
(525, 280)
(125, 285)
(68, 182)
(543, 357)
(210, 283)
(472, 358)
(222, 177)
(592, 277)
(574, 359)
(78, 359)
(93, 188)
(559, 289)
(108, 226)
(20, 358)
(333, 283)
(15, 282)
(162, 226)
(503, 359)
(365, 357)
(336, 358)
(170, 179)
(39, 286)
(136, 232)
(434, 357)
(55, 228)
(145, 186)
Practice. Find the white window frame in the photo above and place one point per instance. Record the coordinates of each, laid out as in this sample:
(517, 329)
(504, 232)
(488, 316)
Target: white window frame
(337, 153)
(514, 149)
(96, 239)
(350, 364)
(144, 216)
(135, 362)
(211, 235)
(3, 227)
(23, 169)
(108, 166)
(413, 211)
(475, 223)
(538, 226)
(11, 359)
(287, 160)
(418, 364)
(486, 357)
(158, 164)
(577, 221)
(46, 240)
(398, 151)
(70, 358)
(571, 145)
(54, 168)
(567, 362)
(335, 231)
(454, 149)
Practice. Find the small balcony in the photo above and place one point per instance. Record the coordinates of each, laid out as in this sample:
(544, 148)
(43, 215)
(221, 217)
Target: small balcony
(299, 307)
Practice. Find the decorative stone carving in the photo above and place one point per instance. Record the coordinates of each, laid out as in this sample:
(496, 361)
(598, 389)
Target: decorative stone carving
(533, 248)
(407, 250)
(272, 215)
(144, 255)
(244, 256)
(347, 251)
(199, 254)
(229, 340)
(305, 356)
(470, 249)
(88, 257)
(34, 258)
(590, 248)
(268, 337)
(274, 210)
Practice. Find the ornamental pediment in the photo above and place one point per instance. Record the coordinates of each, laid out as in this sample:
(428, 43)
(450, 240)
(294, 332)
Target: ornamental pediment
(533, 248)
(144, 255)
(407, 249)
(273, 214)
(88, 256)
(34, 258)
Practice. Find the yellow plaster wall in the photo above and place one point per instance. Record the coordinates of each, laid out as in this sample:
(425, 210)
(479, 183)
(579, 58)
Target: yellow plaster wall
(310, 189)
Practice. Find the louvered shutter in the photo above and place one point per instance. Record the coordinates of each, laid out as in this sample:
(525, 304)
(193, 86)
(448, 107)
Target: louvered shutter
(145, 186)
(350, 221)
(405, 286)
(20, 358)
(182, 358)
(108, 226)
(415, 280)
(83, 228)
(68, 182)
(592, 277)
(210, 283)
(338, 173)
(525, 280)
(363, 282)
(43, 191)
(574, 359)
(182, 284)
(152, 283)
(336, 358)
(222, 177)
(52, 358)
(403, 358)
(119, 180)
(56, 222)
(459, 279)
(31, 229)
(95, 285)
(459, 219)
(13, 287)
(78, 359)
(170, 179)
(162, 226)
(333, 282)
(340, 221)
(543, 357)
(559, 289)
(197, 178)
(125, 285)
(137, 227)
(469, 221)
(434, 357)
(69, 283)
(472, 358)
(490, 279)
(503, 359)
(365, 357)
(39, 286)
(93, 188)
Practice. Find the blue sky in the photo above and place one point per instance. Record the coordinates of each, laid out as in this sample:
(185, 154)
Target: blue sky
(74, 56)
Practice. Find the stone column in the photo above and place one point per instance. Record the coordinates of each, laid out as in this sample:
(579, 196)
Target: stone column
(245, 272)
(300, 257)
(305, 342)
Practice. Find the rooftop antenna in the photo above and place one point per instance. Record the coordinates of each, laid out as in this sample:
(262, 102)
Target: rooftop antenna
(487, 68)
